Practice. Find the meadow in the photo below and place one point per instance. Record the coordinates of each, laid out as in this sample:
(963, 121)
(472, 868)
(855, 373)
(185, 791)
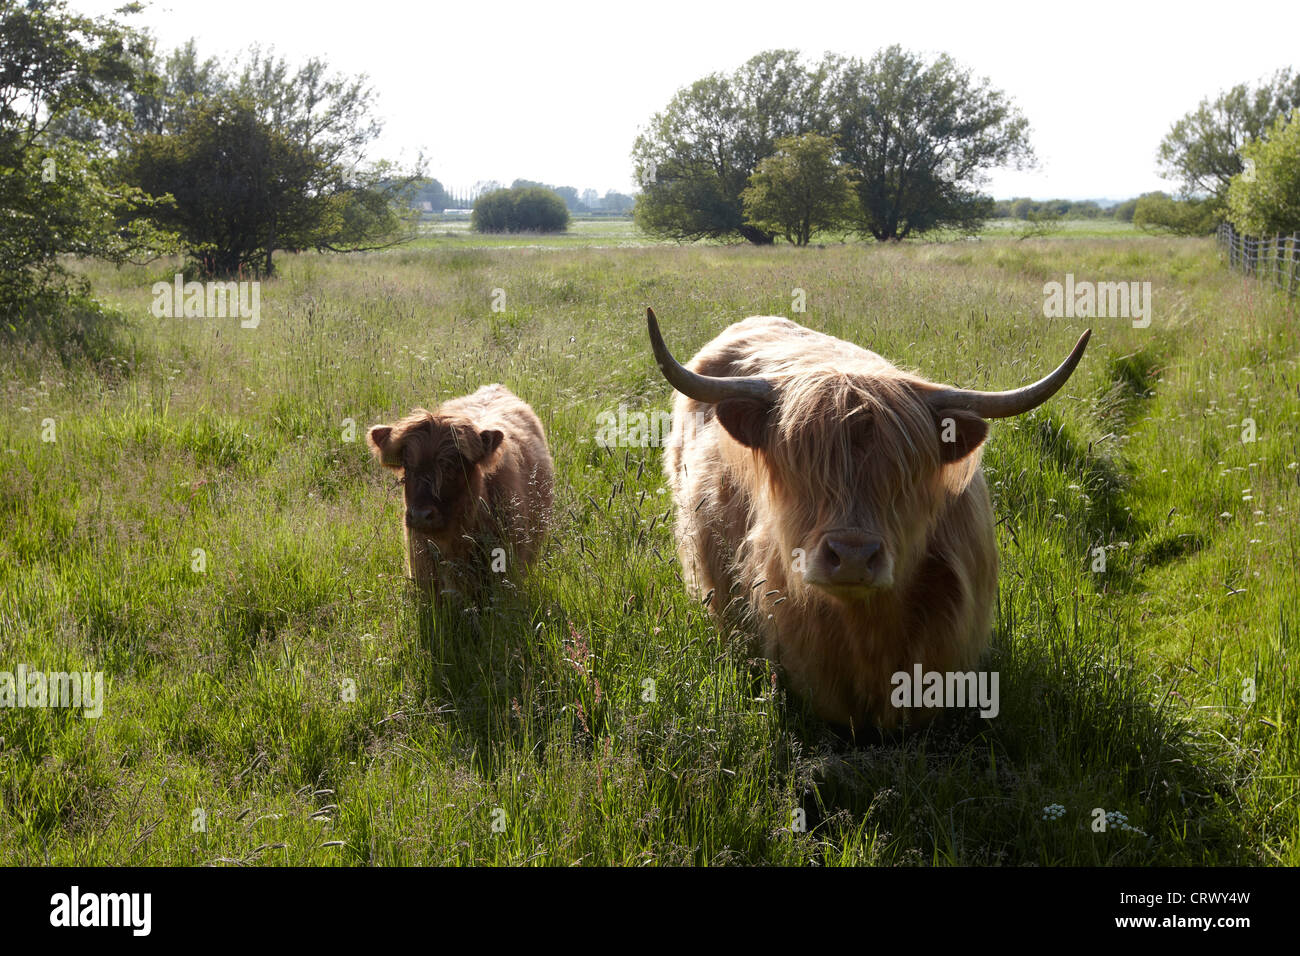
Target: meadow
(209, 529)
(455, 232)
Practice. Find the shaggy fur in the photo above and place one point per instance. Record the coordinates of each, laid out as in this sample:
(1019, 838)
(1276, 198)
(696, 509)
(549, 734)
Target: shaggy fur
(477, 475)
(849, 444)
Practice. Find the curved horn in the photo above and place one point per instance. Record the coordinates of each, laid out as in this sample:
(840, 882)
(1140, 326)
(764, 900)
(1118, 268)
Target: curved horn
(703, 388)
(1018, 400)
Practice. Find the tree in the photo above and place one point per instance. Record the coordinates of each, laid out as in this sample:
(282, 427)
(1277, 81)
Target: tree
(1267, 203)
(616, 203)
(267, 159)
(570, 197)
(242, 189)
(432, 192)
(233, 181)
(174, 87)
(1125, 210)
(800, 190)
(695, 158)
(1021, 208)
(1202, 151)
(58, 77)
(520, 209)
(922, 138)
(1160, 212)
(1040, 222)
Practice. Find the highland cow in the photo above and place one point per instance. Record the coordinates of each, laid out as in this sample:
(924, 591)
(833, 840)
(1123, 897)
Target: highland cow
(840, 502)
(477, 478)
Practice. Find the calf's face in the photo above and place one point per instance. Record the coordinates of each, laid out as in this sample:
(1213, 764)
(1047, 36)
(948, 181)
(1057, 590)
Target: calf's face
(441, 460)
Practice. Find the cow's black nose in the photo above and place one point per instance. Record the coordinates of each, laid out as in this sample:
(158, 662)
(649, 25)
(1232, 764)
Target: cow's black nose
(850, 557)
(421, 517)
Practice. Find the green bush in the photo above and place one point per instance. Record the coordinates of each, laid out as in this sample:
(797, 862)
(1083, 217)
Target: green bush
(1183, 217)
(1268, 203)
(800, 190)
(1125, 210)
(521, 209)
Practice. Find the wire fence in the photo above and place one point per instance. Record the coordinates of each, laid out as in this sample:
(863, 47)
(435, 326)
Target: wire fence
(1275, 260)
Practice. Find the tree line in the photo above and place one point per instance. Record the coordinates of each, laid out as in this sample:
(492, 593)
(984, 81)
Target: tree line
(588, 202)
(898, 146)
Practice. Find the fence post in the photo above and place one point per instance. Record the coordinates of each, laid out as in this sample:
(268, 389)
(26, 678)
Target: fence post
(1291, 277)
(1275, 259)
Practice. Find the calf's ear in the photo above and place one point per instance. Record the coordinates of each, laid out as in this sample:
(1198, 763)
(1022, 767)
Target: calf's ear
(745, 420)
(378, 439)
(491, 441)
(960, 433)
(477, 447)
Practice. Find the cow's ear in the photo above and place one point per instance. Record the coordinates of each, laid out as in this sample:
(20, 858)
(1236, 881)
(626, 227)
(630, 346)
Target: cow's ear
(491, 441)
(379, 438)
(745, 420)
(960, 433)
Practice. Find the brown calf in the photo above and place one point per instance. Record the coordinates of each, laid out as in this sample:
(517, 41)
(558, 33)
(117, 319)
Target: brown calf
(477, 476)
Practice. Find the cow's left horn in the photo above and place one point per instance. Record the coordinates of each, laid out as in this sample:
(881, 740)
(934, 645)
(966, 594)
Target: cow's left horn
(1018, 400)
(703, 388)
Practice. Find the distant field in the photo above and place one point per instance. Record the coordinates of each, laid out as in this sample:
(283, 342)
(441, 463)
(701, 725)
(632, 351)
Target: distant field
(1164, 689)
(455, 233)
(452, 233)
(1072, 228)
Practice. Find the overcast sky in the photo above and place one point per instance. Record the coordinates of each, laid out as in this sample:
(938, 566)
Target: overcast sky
(556, 91)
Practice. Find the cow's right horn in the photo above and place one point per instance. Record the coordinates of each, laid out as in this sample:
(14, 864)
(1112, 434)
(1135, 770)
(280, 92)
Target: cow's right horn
(1018, 400)
(703, 388)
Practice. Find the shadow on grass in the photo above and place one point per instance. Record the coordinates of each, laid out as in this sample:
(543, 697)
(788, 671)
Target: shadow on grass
(473, 665)
(74, 328)
(1079, 729)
